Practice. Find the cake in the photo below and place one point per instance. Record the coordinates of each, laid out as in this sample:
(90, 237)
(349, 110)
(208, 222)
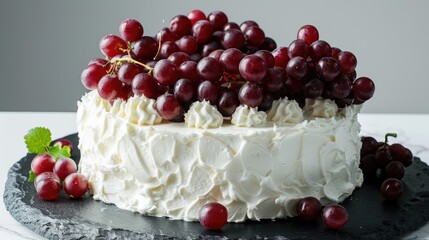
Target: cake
(162, 133)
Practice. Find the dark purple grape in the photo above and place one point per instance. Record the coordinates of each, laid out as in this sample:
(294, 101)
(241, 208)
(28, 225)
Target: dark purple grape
(165, 72)
(244, 25)
(209, 47)
(328, 68)
(112, 45)
(180, 25)
(250, 94)
(146, 48)
(230, 60)
(297, 68)
(178, 58)
(131, 30)
(168, 106)
(218, 19)
(167, 49)
(127, 72)
(340, 87)
(231, 25)
(313, 89)
(196, 15)
(209, 69)
(369, 146)
(188, 70)
(228, 102)
(252, 68)
(184, 90)
(347, 61)
(233, 38)
(208, 91)
(216, 54)
(188, 44)
(196, 57)
(309, 208)
(165, 35)
(281, 57)
(267, 56)
(401, 154)
(274, 79)
(254, 35)
(368, 165)
(202, 31)
(299, 48)
(145, 84)
(335, 52)
(320, 49)
(363, 88)
(383, 156)
(269, 44)
(267, 102)
(394, 169)
(392, 189)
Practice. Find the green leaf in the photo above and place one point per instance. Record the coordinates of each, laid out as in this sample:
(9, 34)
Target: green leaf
(37, 140)
(31, 176)
(58, 152)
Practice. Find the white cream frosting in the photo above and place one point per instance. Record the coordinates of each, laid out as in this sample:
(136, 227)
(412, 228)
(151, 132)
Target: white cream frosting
(245, 116)
(322, 108)
(203, 115)
(259, 173)
(285, 111)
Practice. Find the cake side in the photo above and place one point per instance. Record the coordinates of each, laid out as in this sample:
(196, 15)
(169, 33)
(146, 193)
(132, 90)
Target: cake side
(256, 173)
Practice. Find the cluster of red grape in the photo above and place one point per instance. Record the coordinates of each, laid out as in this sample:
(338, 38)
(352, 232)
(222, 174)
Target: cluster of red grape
(201, 57)
(334, 216)
(51, 173)
(386, 161)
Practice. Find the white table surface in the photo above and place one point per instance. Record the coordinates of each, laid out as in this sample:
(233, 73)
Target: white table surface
(413, 132)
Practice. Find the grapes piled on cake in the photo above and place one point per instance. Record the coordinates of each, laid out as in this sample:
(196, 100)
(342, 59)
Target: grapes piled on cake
(211, 58)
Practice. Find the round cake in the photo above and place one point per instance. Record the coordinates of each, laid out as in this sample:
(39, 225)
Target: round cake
(140, 163)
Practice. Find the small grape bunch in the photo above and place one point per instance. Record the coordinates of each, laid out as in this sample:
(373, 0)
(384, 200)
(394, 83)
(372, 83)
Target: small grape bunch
(334, 216)
(208, 57)
(389, 160)
(52, 166)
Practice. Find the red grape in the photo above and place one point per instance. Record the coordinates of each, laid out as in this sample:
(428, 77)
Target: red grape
(230, 59)
(340, 87)
(42, 163)
(184, 90)
(299, 48)
(209, 69)
(368, 165)
(335, 51)
(228, 102)
(363, 88)
(328, 68)
(394, 169)
(297, 68)
(101, 61)
(165, 35)
(196, 15)
(145, 84)
(250, 94)
(231, 25)
(47, 185)
(308, 33)
(168, 106)
(127, 72)
(320, 49)
(233, 38)
(254, 35)
(252, 68)
(392, 189)
(218, 19)
(334, 216)
(209, 47)
(369, 146)
(314, 88)
(213, 216)
(208, 91)
(202, 31)
(181, 25)
(188, 44)
(91, 76)
(109, 86)
(146, 48)
(178, 58)
(309, 208)
(383, 156)
(401, 154)
(188, 70)
(244, 25)
(165, 72)
(267, 102)
(347, 61)
(267, 56)
(274, 79)
(167, 48)
(112, 45)
(75, 185)
(64, 167)
(269, 44)
(281, 57)
(131, 30)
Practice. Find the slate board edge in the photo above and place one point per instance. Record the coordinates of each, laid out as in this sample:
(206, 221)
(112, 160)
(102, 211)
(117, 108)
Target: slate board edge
(53, 228)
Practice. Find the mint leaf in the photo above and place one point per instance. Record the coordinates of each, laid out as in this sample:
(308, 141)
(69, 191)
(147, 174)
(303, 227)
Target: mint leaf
(31, 176)
(58, 152)
(37, 140)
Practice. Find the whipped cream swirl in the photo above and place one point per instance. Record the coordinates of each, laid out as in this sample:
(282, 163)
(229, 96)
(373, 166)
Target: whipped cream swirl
(285, 111)
(138, 110)
(245, 116)
(323, 108)
(203, 115)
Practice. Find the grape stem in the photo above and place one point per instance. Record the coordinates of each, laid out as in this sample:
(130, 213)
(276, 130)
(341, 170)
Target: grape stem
(129, 59)
(389, 135)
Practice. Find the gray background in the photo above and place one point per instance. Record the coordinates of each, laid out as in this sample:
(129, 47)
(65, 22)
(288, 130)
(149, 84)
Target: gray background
(45, 45)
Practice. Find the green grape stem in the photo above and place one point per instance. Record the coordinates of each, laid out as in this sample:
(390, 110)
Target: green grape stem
(389, 135)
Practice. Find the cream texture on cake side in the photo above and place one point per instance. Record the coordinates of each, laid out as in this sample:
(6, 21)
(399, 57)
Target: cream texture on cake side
(170, 170)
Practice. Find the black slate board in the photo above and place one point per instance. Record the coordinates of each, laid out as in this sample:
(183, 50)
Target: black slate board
(369, 216)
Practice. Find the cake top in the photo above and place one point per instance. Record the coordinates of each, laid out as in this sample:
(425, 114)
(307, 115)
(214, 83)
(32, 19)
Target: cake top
(228, 70)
